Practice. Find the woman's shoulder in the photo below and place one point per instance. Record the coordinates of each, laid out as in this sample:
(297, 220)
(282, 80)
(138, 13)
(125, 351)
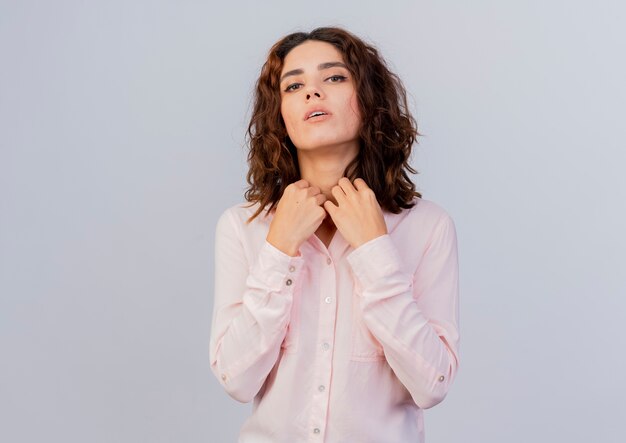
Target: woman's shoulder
(423, 216)
(242, 211)
(422, 210)
(429, 209)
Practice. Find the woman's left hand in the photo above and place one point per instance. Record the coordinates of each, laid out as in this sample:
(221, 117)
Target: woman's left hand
(357, 215)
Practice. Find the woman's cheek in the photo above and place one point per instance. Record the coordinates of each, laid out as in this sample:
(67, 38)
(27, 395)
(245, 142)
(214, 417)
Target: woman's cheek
(354, 105)
(292, 131)
(288, 117)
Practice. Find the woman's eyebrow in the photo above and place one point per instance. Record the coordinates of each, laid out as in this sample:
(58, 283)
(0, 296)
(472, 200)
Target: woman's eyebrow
(320, 67)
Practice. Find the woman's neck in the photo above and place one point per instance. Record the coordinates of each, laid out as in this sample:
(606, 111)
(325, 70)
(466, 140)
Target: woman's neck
(325, 170)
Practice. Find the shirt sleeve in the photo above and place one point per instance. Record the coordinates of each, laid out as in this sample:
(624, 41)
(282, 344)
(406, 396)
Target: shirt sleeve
(251, 310)
(414, 317)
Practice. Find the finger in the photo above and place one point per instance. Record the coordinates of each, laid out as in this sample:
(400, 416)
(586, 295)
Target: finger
(302, 183)
(320, 199)
(324, 213)
(338, 193)
(360, 184)
(346, 185)
(330, 207)
(313, 190)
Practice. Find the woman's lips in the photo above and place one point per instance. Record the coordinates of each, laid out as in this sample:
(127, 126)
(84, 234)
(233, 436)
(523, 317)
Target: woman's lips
(313, 111)
(318, 118)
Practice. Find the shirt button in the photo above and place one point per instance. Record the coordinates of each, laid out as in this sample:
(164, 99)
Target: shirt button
(442, 378)
(327, 299)
(325, 346)
(288, 282)
(292, 268)
(223, 376)
(321, 388)
(316, 430)
(328, 260)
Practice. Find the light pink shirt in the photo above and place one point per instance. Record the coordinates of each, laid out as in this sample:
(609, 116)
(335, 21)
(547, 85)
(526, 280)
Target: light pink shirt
(337, 344)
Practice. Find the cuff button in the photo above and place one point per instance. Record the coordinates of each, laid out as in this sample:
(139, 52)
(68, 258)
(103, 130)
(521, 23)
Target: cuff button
(441, 378)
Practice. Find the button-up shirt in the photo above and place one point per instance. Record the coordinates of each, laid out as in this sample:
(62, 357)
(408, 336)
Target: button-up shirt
(337, 344)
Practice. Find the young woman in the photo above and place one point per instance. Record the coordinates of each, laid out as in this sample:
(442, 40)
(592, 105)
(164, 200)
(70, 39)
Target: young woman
(336, 287)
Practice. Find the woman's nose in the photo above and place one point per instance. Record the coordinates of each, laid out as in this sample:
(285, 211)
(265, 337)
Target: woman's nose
(313, 88)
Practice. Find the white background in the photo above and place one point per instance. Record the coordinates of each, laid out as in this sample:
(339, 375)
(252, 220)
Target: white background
(122, 140)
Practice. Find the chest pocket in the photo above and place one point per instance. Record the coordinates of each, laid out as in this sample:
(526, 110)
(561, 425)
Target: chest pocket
(364, 346)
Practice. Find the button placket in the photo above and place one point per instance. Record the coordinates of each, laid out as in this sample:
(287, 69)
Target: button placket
(325, 337)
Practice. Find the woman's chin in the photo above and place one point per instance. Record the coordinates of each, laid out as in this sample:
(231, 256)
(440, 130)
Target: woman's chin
(322, 145)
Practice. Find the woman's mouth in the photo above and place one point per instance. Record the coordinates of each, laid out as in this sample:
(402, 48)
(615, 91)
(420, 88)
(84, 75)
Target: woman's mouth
(316, 114)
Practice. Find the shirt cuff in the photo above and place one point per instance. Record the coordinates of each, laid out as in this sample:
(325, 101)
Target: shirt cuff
(375, 260)
(275, 269)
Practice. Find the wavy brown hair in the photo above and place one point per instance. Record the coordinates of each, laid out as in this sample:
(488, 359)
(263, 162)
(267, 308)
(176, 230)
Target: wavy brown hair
(388, 130)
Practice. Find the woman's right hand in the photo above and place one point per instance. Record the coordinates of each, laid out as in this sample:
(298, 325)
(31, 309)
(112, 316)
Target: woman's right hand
(299, 213)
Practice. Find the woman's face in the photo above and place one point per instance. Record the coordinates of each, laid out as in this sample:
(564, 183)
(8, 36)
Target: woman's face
(315, 78)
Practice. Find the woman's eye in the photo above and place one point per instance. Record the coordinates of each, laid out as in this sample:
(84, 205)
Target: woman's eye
(336, 78)
(292, 87)
(332, 79)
